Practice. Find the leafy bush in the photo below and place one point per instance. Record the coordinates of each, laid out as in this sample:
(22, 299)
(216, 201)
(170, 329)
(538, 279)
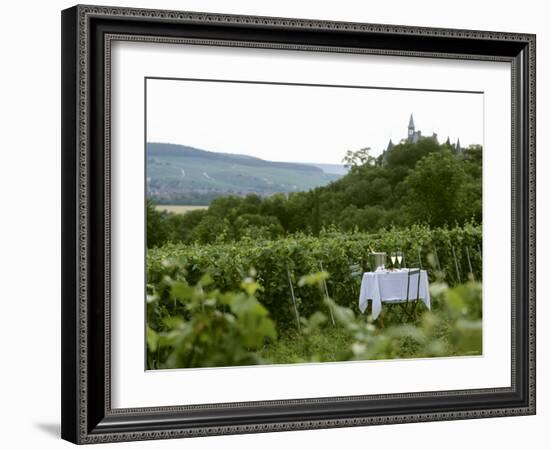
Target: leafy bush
(214, 329)
(206, 328)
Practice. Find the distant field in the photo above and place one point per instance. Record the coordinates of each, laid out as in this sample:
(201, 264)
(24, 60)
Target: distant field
(179, 209)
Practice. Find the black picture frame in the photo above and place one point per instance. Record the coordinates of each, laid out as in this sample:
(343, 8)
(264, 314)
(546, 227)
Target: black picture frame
(87, 416)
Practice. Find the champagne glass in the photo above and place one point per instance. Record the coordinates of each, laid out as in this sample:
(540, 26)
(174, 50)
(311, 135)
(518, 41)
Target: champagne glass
(399, 257)
(393, 256)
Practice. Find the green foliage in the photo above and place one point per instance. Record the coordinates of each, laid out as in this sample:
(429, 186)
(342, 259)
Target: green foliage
(424, 199)
(452, 328)
(198, 326)
(228, 263)
(434, 191)
(358, 158)
(157, 230)
(444, 331)
(207, 328)
(406, 155)
(422, 183)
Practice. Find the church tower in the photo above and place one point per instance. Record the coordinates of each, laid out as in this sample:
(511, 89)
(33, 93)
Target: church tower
(458, 147)
(410, 135)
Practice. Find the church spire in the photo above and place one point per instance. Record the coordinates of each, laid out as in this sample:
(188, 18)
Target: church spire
(458, 147)
(410, 133)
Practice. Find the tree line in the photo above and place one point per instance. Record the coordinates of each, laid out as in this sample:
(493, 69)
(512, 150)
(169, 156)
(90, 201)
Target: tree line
(414, 183)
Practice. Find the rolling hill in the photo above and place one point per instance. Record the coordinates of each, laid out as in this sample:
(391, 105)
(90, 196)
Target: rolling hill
(179, 174)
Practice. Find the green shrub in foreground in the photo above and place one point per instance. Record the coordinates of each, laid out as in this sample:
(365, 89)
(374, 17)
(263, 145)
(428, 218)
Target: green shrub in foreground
(213, 329)
(217, 329)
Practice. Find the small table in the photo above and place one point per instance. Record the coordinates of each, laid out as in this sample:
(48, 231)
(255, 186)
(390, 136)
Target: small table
(386, 286)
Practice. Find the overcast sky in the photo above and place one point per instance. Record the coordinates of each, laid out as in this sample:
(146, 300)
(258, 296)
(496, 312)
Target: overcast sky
(303, 123)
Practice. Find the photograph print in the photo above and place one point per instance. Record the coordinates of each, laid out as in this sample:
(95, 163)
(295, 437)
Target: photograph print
(306, 223)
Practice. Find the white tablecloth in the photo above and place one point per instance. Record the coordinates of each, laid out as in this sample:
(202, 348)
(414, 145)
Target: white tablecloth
(386, 286)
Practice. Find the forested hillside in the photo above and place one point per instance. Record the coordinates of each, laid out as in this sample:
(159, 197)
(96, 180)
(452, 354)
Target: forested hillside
(421, 183)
